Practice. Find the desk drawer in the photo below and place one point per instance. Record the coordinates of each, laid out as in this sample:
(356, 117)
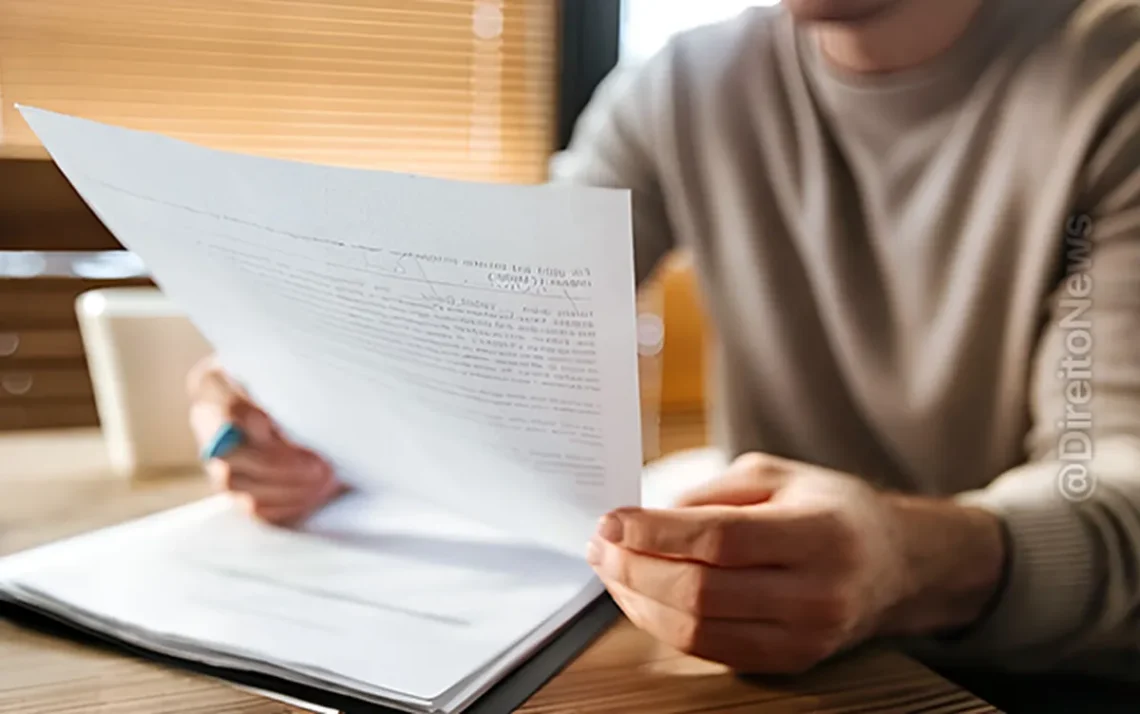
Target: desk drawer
(47, 416)
(39, 344)
(25, 385)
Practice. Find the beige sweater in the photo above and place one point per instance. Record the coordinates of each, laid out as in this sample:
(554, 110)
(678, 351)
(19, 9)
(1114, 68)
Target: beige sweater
(885, 259)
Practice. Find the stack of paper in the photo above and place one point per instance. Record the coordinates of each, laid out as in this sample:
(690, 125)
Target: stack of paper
(463, 354)
(378, 598)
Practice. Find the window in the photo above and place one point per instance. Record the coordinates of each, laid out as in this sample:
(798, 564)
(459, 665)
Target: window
(461, 88)
(648, 24)
(457, 88)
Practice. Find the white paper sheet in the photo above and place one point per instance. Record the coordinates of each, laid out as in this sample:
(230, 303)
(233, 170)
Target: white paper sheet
(289, 701)
(368, 596)
(664, 481)
(471, 344)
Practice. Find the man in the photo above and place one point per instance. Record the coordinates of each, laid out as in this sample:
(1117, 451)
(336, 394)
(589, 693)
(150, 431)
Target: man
(917, 224)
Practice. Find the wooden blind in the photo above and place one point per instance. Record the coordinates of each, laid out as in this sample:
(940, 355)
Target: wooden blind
(457, 88)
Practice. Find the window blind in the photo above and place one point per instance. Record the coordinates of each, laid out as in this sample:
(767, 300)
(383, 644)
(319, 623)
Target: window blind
(457, 88)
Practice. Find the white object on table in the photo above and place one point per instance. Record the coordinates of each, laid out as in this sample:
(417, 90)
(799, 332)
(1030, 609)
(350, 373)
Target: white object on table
(370, 312)
(665, 480)
(295, 703)
(139, 350)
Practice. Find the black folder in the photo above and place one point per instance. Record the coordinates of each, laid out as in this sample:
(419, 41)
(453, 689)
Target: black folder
(506, 695)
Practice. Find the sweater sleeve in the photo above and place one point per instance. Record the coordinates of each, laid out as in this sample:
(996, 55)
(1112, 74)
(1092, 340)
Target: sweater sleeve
(1072, 512)
(613, 146)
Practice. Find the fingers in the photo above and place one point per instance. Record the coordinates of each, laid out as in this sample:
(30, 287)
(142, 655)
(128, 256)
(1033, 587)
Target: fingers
(271, 477)
(292, 507)
(777, 595)
(280, 464)
(256, 477)
(750, 479)
(217, 400)
(762, 569)
(725, 536)
(747, 646)
(278, 515)
(738, 520)
(278, 487)
(709, 534)
(727, 593)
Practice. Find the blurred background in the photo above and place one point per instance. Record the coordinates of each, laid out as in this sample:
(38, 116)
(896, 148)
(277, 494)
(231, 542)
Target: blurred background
(482, 90)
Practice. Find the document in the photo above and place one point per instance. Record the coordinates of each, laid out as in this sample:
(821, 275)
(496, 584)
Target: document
(464, 355)
(473, 345)
(378, 596)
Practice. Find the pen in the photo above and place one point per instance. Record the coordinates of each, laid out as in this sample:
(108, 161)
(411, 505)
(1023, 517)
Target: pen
(226, 439)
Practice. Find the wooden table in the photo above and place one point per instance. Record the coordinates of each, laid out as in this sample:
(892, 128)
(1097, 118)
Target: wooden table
(55, 484)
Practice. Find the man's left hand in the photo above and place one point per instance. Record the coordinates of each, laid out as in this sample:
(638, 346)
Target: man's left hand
(778, 565)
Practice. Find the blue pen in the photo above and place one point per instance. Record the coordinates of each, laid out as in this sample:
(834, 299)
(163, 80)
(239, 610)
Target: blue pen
(227, 438)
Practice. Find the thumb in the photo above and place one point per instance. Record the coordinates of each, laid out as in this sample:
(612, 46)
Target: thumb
(750, 479)
(206, 418)
(218, 399)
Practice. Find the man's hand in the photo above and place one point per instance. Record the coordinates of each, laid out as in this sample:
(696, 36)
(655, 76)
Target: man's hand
(271, 477)
(778, 565)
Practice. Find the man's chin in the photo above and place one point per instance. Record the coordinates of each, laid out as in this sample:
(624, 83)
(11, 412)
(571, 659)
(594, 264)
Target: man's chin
(837, 11)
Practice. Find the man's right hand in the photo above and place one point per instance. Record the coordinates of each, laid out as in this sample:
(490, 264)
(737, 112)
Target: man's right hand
(273, 478)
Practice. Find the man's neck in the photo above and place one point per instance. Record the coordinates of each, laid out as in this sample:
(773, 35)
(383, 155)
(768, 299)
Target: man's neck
(903, 36)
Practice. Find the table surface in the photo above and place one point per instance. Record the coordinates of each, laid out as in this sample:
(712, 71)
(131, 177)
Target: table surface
(55, 484)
